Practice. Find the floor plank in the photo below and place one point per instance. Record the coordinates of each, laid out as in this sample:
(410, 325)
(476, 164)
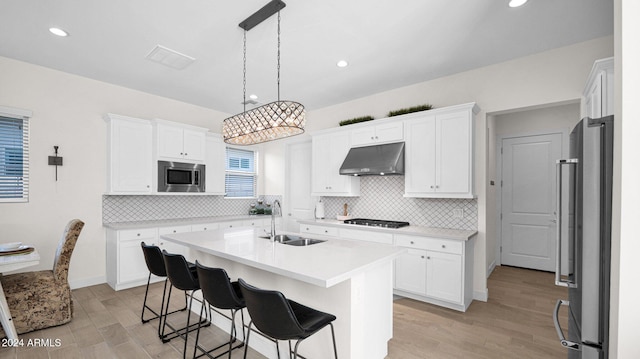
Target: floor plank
(515, 323)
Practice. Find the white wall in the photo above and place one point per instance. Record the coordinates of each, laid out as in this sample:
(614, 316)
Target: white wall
(556, 76)
(67, 111)
(625, 292)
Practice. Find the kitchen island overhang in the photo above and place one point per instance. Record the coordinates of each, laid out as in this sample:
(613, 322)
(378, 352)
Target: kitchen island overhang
(350, 279)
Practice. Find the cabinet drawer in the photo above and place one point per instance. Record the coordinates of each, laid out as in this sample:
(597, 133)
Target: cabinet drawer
(174, 229)
(325, 231)
(256, 222)
(430, 244)
(378, 237)
(130, 234)
(204, 227)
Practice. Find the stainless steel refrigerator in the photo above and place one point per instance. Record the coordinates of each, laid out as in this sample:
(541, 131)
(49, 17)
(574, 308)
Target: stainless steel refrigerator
(584, 238)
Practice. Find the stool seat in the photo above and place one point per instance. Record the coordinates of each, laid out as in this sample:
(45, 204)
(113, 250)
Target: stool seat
(282, 319)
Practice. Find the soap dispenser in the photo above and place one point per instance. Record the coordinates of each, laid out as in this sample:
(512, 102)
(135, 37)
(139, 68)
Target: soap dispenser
(319, 210)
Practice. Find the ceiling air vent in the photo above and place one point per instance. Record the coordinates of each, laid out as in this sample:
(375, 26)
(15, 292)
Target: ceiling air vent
(170, 58)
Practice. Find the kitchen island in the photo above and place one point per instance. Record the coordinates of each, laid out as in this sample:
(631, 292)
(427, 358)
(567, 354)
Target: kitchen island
(351, 279)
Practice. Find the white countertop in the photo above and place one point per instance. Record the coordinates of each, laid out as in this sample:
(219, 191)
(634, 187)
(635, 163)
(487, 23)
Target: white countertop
(446, 233)
(181, 221)
(324, 264)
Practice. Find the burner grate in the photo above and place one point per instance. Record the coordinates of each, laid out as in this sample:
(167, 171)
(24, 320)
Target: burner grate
(376, 223)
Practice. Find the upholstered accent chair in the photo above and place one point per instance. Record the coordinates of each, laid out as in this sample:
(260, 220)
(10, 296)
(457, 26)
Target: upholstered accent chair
(42, 299)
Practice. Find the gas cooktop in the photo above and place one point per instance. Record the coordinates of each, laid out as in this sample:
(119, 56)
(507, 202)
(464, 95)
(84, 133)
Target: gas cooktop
(376, 223)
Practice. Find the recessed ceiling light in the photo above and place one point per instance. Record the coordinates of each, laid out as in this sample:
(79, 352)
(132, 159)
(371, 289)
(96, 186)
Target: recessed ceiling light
(342, 63)
(253, 97)
(517, 3)
(58, 31)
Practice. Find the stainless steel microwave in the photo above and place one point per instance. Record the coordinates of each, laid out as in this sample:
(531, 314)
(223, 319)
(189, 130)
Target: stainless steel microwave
(180, 177)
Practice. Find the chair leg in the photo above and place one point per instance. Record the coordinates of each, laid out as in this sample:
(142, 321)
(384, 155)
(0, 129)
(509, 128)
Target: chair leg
(333, 336)
(164, 323)
(246, 342)
(195, 347)
(186, 333)
(144, 303)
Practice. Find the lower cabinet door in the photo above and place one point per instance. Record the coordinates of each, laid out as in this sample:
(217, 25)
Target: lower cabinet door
(411, 271)
(444, 276)
(132, 264)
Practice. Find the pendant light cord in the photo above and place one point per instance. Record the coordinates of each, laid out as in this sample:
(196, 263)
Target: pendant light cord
(278, 56)
(244, 72)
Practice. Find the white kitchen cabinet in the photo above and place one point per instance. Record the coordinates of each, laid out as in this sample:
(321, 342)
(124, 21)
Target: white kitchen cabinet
(179, 142)
(367, 134)
(214, 162)
(598, 93)
(435, 270)
(129, 155)
(439, 153)
(411, 272)
(126, 266)
(328, 151)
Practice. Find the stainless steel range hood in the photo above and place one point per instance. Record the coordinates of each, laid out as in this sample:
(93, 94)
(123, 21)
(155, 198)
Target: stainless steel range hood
(378, 160)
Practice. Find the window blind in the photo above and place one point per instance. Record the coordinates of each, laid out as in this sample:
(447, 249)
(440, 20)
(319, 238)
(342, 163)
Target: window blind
(240, 176)
(14, 159)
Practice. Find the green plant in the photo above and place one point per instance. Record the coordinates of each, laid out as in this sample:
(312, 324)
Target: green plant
(356, 120)
(403, 111)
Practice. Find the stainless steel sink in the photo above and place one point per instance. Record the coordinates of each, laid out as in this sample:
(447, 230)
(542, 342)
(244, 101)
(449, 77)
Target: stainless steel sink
(294, 240)
(304, 242)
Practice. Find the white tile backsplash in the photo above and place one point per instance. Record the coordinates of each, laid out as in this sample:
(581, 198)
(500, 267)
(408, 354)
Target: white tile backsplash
(382, 198)
(117, 209)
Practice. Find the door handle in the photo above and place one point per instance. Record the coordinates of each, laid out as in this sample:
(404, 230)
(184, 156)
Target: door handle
(565, 343)
(558, 279)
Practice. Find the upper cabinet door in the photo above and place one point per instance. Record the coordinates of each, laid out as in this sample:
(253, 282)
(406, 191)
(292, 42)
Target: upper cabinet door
(130, 155)
(328, 151)
(597, 97)
(214, 162)
(420, 156)
(170, 142)
(453, 153)
(370, 134)
(194, 145)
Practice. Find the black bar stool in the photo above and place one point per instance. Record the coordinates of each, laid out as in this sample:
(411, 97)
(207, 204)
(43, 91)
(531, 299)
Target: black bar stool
(182, 278)
(155, 264)
(219, 292)
(283, 319)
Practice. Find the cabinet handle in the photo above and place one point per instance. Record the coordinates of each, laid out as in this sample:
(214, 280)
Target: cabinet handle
(307, 228)
(138, 234)
(443, 246)
(326, 231)
(174, 231)
(431, 187)
(181, 153)
(186, 154)
(148, 186)
(437, 186)
(411, 242)
(428, 257)
(422, 257)
(376, 137)
(205, 228)
(372, 137)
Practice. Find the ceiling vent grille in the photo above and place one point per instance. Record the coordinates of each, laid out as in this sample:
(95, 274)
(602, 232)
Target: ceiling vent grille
(169, 58)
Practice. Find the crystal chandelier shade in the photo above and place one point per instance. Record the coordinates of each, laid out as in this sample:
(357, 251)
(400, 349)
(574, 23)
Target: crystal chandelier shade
(268, 122)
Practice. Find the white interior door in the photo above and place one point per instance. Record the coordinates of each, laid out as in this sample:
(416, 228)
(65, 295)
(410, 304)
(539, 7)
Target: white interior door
(528, 198)
(299, 202)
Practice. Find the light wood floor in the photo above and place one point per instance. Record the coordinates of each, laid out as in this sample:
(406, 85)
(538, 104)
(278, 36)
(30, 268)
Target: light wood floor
(515, 323)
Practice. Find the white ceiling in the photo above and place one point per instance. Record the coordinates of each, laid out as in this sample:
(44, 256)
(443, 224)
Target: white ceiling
(388, 44)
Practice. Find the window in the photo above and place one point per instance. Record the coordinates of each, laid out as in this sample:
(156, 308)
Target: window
(240, 176)
(14, 155)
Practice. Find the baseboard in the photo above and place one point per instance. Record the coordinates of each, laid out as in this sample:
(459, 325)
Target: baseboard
(87, 282)
(490, 269)
(481, 295)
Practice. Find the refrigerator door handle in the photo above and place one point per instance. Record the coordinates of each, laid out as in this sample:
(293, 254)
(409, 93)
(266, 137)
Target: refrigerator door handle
(565, 343)
(559, 280)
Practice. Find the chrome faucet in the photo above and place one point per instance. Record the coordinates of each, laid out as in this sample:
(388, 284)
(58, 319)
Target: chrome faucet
(273, 218)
